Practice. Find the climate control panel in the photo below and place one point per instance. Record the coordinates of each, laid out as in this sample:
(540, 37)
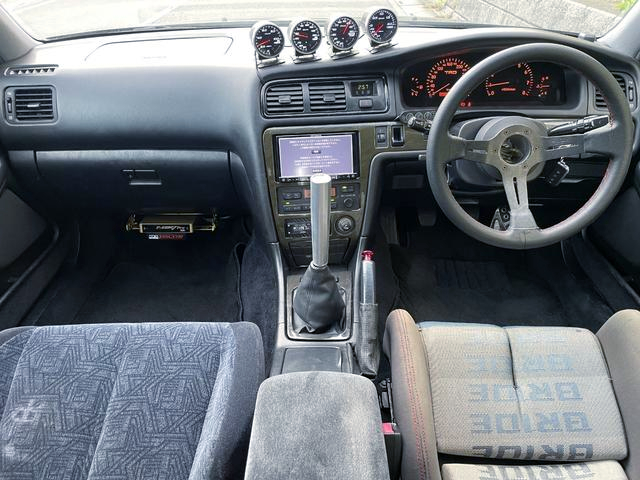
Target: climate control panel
(345, 196)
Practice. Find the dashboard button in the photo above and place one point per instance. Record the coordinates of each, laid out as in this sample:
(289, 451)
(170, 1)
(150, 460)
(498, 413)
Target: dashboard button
(291, 195)
(348, 203)
(365, 103)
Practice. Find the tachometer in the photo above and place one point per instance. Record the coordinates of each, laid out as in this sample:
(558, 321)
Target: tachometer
(305, 36)
(443, 74)
(343, 33)
(516, 81)
(268, 39)
(381, 25)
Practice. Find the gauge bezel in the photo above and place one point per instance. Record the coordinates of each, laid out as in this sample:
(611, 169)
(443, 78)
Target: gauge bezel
(367, 19)
(294, 23)
(330, 23)
(254, 30)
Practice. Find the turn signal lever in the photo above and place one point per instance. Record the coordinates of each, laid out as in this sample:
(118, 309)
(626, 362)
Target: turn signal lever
(317, 301)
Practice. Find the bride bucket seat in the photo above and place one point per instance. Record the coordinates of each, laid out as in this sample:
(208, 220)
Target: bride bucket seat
(481, 402)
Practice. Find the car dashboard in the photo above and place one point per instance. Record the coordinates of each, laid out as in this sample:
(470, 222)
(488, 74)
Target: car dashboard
(195, 120)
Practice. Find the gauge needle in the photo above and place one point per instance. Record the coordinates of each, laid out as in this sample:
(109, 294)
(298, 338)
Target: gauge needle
(302, 35)
(497, 84)
(441, 88)
(264, 42)
(346, 28)
(379, 27)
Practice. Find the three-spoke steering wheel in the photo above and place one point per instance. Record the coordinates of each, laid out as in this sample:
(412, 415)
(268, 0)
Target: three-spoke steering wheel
(532, 145)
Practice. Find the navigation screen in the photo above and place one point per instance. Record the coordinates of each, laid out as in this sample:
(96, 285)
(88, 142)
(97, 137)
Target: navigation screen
(301, 157)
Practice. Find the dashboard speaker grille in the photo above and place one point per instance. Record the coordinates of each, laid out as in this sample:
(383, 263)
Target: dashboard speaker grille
(33, 104)
(327, 97)
(284, 98)
(625, 85)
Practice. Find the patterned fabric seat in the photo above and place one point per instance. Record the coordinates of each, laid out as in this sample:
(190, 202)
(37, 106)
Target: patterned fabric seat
(127, 401)
(481, 402)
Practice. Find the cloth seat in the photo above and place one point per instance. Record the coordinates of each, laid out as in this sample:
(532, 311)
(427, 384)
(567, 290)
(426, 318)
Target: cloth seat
(481, 402)
(128, 401)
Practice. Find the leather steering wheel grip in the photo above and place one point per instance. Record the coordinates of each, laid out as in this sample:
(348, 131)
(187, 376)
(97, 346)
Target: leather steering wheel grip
(614, 140)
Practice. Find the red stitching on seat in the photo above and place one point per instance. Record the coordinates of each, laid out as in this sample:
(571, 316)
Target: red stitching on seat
(410, 374)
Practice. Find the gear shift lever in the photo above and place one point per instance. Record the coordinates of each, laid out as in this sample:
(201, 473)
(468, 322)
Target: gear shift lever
(317, 301)
(320, 215)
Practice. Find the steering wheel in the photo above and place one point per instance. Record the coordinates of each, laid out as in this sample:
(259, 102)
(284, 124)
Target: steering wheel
(533, 146)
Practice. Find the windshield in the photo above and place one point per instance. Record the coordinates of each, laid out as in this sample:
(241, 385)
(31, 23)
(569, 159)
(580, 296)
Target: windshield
(49, 19)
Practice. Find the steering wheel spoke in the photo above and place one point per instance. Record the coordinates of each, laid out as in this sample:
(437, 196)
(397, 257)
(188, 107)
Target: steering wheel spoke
(473, 150)
(562, 146)
(515, 187)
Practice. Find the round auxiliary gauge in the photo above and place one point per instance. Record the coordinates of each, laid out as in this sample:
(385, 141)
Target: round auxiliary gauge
(343, 33)
(381, 24)
(268, 39)
(305, 36)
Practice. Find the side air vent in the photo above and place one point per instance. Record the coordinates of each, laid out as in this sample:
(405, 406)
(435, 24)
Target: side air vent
(327, 97)
(284, 98)
(30, 104)
(627, 86)
(30, 70)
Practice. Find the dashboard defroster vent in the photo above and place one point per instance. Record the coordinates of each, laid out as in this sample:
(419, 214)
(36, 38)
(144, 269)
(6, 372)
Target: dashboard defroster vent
(627, 86)
(327, 97)
(30, 104)
(30, 70)
(284, 98)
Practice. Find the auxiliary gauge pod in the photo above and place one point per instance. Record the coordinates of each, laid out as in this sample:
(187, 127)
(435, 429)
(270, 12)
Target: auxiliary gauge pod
(343, 32)
(380, 24)
(268, 42)
(305, 37)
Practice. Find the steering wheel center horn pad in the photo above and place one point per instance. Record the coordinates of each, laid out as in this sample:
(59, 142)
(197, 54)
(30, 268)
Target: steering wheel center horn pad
(517, 147)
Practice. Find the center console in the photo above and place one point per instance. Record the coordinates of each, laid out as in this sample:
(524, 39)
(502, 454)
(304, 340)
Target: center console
(292, 156)
(345, 153)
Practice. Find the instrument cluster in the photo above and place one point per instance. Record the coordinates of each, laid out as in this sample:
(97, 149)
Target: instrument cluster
(525, 84)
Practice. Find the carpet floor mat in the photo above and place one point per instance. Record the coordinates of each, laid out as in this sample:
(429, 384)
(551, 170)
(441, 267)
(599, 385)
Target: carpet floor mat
(443, 275)
(138, 280)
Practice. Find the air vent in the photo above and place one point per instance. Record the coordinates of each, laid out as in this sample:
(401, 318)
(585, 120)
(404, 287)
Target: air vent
(626, 84)
(324, 97)
(284, 98)
(30, 70)
(327, 97)
(33, 104)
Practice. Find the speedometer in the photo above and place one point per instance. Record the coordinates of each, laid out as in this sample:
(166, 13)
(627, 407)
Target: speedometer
(443, 74)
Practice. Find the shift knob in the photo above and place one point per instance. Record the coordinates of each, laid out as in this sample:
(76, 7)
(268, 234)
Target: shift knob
(320, 218)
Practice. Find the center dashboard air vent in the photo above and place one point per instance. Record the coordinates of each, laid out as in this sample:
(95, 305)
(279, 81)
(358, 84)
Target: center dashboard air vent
(626, 84)
(30, 104)
(284, 98)
(324, 96)
(327, 97)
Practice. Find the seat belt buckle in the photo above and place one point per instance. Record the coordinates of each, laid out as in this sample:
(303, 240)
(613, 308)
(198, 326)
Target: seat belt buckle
(393, 444)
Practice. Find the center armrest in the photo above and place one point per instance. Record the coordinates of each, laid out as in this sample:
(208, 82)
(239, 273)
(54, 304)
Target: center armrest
(317, 425)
